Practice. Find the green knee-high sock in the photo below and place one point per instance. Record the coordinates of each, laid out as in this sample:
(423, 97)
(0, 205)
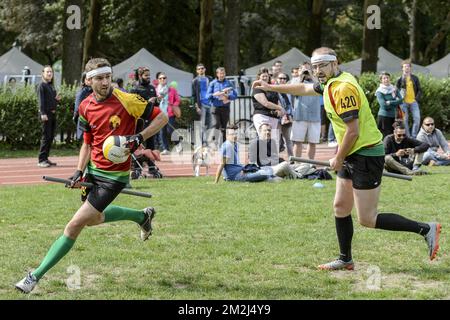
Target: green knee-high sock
(115, 213)
(56, 252)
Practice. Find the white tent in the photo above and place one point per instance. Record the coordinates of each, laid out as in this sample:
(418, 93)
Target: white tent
(143, 58)
(386, 62)
(290, 59)
(440, 68)
(13, 62)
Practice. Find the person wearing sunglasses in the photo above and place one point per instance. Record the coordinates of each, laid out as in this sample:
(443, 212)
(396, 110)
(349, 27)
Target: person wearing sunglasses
(403, 153)
(434, 137)
(359, 160)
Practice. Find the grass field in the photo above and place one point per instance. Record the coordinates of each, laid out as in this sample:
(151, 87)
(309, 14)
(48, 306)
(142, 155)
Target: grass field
(227, 241)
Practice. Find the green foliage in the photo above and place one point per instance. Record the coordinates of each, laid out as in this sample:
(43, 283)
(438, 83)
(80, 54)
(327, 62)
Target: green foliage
(434, 103)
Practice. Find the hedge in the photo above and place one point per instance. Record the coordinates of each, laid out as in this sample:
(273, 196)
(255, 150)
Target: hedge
(21, 128)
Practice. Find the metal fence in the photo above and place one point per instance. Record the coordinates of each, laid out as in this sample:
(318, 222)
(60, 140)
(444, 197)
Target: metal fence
(241, 108)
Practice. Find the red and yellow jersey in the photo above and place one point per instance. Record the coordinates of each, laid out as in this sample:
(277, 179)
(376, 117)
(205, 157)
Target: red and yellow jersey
(116, 115)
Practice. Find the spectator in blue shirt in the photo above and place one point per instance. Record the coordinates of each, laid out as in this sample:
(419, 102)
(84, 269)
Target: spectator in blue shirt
(232, 169)
(220, 93)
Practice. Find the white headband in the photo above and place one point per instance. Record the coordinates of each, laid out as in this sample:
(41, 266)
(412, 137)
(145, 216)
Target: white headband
(98, 71)
(322, 58)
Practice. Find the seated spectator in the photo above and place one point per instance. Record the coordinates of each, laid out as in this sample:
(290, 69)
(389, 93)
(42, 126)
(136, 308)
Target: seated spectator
(403, 154)
(230, 165)
(263, 153)
(435, 139)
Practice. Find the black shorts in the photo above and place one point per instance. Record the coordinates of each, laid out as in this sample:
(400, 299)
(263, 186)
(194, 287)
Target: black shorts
(364, 171)
(103, 192)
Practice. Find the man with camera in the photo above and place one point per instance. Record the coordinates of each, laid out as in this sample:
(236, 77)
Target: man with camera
(403, 154)
(306, 125)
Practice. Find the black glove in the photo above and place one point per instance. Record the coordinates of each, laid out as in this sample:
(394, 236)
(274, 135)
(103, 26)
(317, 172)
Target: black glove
(75, 178)
(133, 142)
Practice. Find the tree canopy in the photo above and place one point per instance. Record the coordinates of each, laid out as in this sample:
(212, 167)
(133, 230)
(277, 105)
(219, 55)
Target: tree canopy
(243, 33)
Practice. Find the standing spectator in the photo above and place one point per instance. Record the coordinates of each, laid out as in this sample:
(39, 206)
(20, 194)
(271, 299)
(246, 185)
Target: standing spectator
(81, 94)
(48, 99)
(220, 93)
(119, 82)
(146, 90)
(295, 78)
(173, 111)
(388, 99)
(267, 108)
(435, 139)
(286, 119)
(306, 126)
(277, 67)
(410, 90)
(403, 154)
(162, 90)
(202, 105)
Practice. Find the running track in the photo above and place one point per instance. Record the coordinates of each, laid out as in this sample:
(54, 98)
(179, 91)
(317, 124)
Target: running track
(25, 170)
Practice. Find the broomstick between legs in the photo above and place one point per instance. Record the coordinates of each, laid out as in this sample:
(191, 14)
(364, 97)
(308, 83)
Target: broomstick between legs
(327, 164)
(90, 185)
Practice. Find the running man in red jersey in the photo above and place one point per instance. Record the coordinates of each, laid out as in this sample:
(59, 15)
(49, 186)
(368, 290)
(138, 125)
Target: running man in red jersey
(105, 112)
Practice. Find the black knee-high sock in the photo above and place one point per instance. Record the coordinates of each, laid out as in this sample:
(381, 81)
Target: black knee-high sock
(395, 222)
(344, 230)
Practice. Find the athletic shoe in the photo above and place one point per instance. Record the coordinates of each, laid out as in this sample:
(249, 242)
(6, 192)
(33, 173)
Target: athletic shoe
(27, 284)
(165, 152)
(432, 239)
(146, 226)
(44, 164)
(337, 264)
(332, 144)
(51, 162)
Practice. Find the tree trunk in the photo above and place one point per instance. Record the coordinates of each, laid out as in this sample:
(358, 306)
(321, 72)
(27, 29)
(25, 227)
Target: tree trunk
(72, 57)
(438, 40)
(412, 31)
(370, 39)
(205, 42)
(315, 26)
(231, 38)
(91, 37)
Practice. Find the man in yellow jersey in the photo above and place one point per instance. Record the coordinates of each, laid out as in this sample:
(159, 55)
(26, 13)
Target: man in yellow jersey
(409, 85)
(359, 160)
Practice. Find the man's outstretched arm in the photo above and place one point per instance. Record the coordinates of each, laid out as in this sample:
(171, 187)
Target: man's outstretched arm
(296, 89)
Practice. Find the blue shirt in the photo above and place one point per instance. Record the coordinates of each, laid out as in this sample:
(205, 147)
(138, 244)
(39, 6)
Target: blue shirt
(308, 108)
(232, 167)
(216, 86)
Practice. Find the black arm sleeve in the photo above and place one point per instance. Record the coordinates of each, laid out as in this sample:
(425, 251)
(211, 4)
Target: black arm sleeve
(318, 87)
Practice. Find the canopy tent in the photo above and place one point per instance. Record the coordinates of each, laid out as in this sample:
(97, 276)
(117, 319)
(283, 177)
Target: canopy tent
(386, 62)
(143, 58)
(290, 59)
(13, 62)
(440, 68)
